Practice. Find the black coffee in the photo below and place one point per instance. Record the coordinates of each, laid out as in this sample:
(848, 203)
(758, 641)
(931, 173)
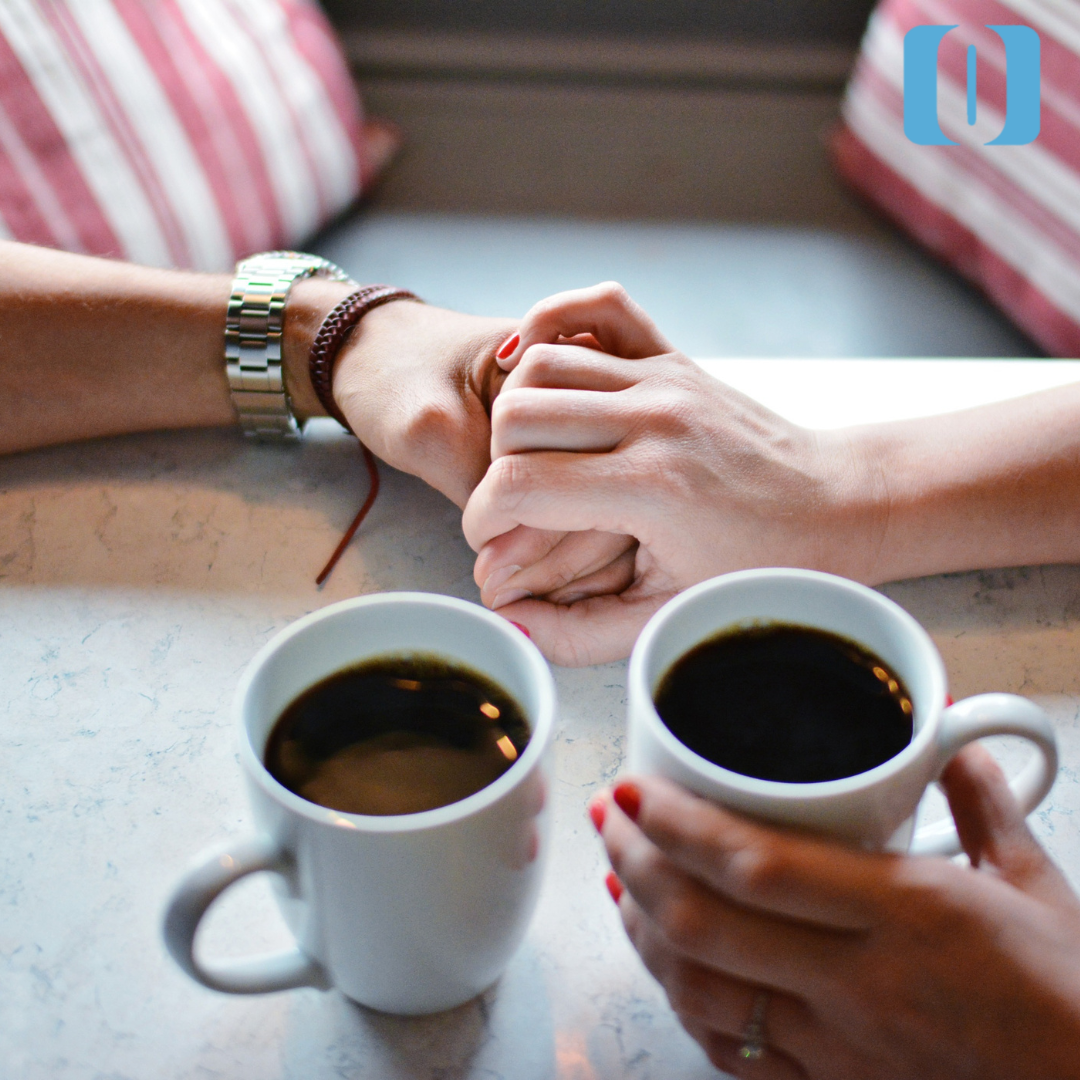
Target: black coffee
(396, 735)
(786, 703)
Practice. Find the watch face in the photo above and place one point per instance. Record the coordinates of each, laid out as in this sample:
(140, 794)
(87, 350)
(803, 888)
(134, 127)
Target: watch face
(289, 264)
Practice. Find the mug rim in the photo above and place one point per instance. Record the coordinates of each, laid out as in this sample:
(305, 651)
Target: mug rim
(542, 724)
(780, 790)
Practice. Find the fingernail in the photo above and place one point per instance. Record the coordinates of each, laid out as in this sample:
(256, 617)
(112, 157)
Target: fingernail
(509, 596)
(498, 577)
(523, 629)
(508, 346)
(614, 886)
(628, 800)
(948, 700)
(596, 813)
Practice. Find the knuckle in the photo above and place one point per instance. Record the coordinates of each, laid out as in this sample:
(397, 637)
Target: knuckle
(922, 884)
(510, 409)
(505, 477)
(1027, 860)
(556, 301)
(683, 920)
(673, 414)
(929, 907)
(660, 412)
(756, 870)
(556, 575)
(687, 988)
(613, 293)
(538, 363)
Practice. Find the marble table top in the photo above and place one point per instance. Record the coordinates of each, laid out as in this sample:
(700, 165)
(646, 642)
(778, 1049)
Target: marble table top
(137, 577)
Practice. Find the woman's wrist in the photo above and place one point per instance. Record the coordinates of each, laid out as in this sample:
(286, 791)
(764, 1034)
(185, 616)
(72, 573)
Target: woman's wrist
(365, 363)
(409, 345)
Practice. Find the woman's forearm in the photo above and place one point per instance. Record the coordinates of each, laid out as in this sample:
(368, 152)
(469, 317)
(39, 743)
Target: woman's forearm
(92, 347)
(993, 486)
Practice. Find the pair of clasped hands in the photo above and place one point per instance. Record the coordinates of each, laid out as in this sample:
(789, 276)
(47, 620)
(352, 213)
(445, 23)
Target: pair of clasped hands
(601, 471)
(620, 473)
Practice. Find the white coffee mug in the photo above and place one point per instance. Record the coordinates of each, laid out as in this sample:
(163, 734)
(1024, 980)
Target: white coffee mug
(412, 913)
(875, 809)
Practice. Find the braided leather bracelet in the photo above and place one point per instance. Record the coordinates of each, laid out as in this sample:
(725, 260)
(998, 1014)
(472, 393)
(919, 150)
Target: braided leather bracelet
(336, 326)
(324, 349)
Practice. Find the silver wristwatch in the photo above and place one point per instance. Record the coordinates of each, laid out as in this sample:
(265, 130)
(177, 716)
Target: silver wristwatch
(253, 330)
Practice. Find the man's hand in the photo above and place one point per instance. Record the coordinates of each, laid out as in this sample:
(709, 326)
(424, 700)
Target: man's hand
(879, 967)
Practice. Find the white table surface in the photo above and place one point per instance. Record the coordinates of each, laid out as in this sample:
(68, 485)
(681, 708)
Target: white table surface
(139, 575)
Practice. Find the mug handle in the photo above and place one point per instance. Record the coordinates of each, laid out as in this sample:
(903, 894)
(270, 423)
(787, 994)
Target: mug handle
(202, 884)
(975, 718)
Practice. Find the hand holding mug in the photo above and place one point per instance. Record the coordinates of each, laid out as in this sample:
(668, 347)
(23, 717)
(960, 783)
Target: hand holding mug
(792, 955)
(863, 966)
(871, 805)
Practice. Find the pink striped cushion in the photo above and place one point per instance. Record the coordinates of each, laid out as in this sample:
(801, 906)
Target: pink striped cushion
(176, 132)
(1006, 217)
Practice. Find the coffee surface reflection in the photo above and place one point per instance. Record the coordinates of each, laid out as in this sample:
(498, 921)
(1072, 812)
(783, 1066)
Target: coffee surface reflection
(788, 703)
(396, 734)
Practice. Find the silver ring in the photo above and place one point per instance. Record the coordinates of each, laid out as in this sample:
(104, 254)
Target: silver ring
(753, 1044)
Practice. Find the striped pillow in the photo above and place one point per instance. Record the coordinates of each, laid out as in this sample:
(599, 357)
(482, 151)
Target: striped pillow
(179, 133)
(1006, 217)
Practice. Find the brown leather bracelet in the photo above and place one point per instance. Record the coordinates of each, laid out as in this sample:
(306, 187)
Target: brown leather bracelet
(335, 328)
(324, 349)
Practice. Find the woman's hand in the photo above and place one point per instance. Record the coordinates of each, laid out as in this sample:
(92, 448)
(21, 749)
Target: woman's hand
(879, 967)
(417, 383)
(649, 447)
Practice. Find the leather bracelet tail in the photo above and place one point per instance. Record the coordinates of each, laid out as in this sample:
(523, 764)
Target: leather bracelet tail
(350, 532)
(324, 349)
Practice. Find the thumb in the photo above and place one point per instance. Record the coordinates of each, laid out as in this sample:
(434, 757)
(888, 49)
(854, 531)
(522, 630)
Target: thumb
(992, 827)
(604, 313)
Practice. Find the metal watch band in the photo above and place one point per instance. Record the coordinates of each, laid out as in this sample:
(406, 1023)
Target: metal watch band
(253, 330)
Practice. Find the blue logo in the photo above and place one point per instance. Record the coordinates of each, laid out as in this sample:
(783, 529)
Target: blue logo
(1022, 94)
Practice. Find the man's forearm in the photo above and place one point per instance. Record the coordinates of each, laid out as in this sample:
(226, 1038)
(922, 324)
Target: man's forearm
(994, 486)
(92, 347)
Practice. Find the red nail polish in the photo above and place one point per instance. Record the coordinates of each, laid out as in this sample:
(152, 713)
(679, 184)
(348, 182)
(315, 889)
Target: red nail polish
(628, 800)
(523, 629)
(508, 346)
(614, 886)
(596, 813)
(948, 700)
